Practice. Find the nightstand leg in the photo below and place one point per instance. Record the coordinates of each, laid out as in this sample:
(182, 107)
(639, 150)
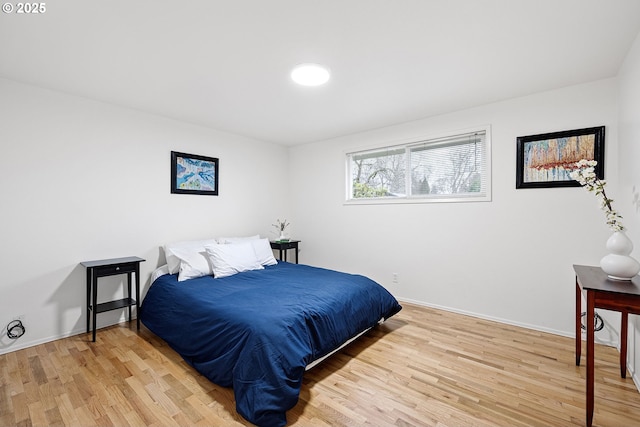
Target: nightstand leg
(89, 270)
(94, 296)
(129, 293)
(138, 296)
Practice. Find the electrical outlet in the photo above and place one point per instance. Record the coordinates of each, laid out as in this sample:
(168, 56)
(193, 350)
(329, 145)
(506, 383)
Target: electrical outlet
(395, 277)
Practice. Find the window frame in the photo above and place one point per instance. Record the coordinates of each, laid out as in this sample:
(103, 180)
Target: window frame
(407, 145)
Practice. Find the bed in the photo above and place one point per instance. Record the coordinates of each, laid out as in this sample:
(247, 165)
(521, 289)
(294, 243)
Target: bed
(258, 330)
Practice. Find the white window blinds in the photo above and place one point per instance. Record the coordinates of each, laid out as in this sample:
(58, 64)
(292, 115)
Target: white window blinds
(454, 167)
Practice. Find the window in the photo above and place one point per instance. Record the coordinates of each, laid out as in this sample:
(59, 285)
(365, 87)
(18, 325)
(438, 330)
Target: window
(449, 168)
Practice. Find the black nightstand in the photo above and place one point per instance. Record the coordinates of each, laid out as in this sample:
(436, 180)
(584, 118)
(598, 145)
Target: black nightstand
(283, 247)
(111, 267)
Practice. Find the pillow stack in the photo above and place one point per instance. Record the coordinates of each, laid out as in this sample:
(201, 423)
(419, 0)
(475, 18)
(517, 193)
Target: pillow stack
(219, 257)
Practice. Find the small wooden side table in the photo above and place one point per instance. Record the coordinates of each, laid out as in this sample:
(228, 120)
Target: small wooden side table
(111, 267)
(602, 292)
(283, 247)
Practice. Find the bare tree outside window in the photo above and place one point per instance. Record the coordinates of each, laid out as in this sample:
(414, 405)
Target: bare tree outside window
(379, 174)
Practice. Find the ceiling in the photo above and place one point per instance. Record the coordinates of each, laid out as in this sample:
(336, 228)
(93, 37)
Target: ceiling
(226, 64)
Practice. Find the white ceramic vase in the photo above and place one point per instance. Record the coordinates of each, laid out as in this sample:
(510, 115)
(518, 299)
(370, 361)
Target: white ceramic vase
(282, 237)
(618, 264)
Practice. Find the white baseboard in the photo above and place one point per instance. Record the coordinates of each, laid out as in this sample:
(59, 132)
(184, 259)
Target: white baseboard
(485, 317)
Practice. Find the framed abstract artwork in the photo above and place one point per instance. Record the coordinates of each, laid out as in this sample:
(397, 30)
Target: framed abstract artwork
(194, 174)
(546, 160)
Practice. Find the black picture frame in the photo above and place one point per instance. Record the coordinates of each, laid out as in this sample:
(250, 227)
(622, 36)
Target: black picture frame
(194, 174)
(546, 160)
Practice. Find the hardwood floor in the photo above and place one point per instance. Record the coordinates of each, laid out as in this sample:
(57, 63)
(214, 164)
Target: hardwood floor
(424, 367)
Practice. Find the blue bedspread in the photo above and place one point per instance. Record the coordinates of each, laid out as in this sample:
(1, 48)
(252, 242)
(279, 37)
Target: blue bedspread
(257, 331)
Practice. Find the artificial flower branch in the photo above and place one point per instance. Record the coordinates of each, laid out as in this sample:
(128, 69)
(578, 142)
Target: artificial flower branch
(585, 175)
(281, 225)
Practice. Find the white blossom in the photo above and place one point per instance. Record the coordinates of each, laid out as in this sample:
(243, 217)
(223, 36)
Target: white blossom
(586, 176)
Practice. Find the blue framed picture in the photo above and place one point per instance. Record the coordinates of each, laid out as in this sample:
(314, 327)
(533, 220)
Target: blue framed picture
(194, 174)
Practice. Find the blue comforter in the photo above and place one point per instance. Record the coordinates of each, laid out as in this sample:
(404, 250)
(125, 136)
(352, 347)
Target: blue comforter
(257, 331)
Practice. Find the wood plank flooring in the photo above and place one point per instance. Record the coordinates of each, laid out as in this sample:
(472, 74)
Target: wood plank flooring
(423, 367)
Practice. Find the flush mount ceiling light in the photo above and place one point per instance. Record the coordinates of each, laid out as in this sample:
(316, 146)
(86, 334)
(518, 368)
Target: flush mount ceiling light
(310, 75)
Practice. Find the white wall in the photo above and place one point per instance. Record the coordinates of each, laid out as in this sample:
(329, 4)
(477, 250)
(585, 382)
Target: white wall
(629, 194)
(509, 259)
(84, 180)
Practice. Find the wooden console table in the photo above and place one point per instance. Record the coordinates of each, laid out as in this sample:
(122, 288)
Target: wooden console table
(602, 292)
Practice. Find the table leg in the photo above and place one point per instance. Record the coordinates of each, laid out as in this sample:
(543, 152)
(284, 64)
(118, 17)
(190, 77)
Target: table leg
(578, 323)
(94, 311)
(89, 270)
(623, 343)
(590, 356)
(138, 296)
(129, 294)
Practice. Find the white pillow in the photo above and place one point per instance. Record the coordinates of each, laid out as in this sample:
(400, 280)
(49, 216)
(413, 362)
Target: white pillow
(193, 245)
(225, 240)
(263, 251)
(193, 263)
(232, 258)
(158, 272)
